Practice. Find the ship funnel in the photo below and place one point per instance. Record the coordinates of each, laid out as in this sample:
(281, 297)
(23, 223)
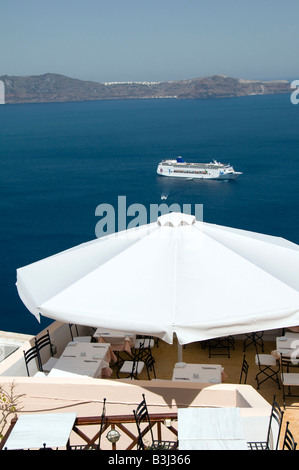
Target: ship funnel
(180, 160)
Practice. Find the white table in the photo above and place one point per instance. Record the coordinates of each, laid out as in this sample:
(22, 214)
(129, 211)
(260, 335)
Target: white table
(288, 345)
(292, 334)
(119, 340)
(211, 429)
(114, 336)
(33, 431)
(82, 359)
(256, 428)
(202, 373)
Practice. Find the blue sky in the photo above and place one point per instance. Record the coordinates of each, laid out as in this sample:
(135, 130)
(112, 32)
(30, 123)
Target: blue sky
(136, 40)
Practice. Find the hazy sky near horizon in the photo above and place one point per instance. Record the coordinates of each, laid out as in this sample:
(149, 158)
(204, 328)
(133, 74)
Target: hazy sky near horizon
(136, 40)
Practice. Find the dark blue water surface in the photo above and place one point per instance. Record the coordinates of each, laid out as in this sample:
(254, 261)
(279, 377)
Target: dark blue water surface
(59, 161)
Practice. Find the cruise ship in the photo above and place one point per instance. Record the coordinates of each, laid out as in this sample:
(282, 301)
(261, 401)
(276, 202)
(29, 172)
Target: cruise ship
(213, 170)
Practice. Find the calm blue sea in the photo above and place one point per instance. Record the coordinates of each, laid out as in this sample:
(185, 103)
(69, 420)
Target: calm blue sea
(60, 161)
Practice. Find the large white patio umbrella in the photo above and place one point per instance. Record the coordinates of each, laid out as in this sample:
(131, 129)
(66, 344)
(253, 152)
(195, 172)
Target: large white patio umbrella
(177, 275)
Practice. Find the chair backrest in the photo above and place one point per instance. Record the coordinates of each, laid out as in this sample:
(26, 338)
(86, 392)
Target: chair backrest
(138, 357)
(44, 341)
(288, 441)
(143, 344)
(257, 356)
(276, 415)
(146, 340)
(31, 354)
(71, 331)
(103, 421)
(285, 362)
(139, 353)
(221, 343)
(150, 365)
(255, 338)
(141, 415)
(244, 370)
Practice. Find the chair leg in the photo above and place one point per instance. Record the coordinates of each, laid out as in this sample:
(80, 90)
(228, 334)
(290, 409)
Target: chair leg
(270, 374)
(219, 343)
(254, 338)
(287, 394)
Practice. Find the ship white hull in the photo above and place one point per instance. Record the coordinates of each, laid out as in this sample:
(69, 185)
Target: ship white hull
(228, 176)
(211, 171)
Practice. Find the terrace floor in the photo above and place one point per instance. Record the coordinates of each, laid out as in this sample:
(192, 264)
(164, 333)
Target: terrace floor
(167, 355)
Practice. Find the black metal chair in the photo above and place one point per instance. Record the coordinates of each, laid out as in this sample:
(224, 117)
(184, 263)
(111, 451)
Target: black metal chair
(255, 338)
(30, 355)
(103, 423)
(41, 343)
(150, 366)
(101, 430)
(144, 342)
(223, 344)
(154, 339)
(244, 371)
(135, 365)
(44, 341)
(289, 379)
(132, 367)
(141, 414)
(46, 448)
(268, 368)
(270, 444)
(144, 354)
(288, 441)
(71, 325)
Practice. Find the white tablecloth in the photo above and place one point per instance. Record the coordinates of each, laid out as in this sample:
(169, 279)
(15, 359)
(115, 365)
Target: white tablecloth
(33, 431)
(202, 373)
(119, 340)
(114, 337)
(211, 429)
(256, 428)
(84, 359)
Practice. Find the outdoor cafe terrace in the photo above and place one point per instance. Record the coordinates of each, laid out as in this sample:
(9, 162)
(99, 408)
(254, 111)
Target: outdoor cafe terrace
(168, 390)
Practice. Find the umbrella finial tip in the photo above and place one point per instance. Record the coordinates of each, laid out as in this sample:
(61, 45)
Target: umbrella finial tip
(176, 219)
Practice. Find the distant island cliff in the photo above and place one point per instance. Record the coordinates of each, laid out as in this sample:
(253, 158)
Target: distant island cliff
(60, 88)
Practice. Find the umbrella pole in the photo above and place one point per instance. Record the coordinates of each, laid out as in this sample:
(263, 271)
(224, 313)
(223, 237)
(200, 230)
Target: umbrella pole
(180, 352)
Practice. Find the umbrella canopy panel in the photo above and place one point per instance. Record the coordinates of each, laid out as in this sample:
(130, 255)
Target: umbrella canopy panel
(178, 275)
